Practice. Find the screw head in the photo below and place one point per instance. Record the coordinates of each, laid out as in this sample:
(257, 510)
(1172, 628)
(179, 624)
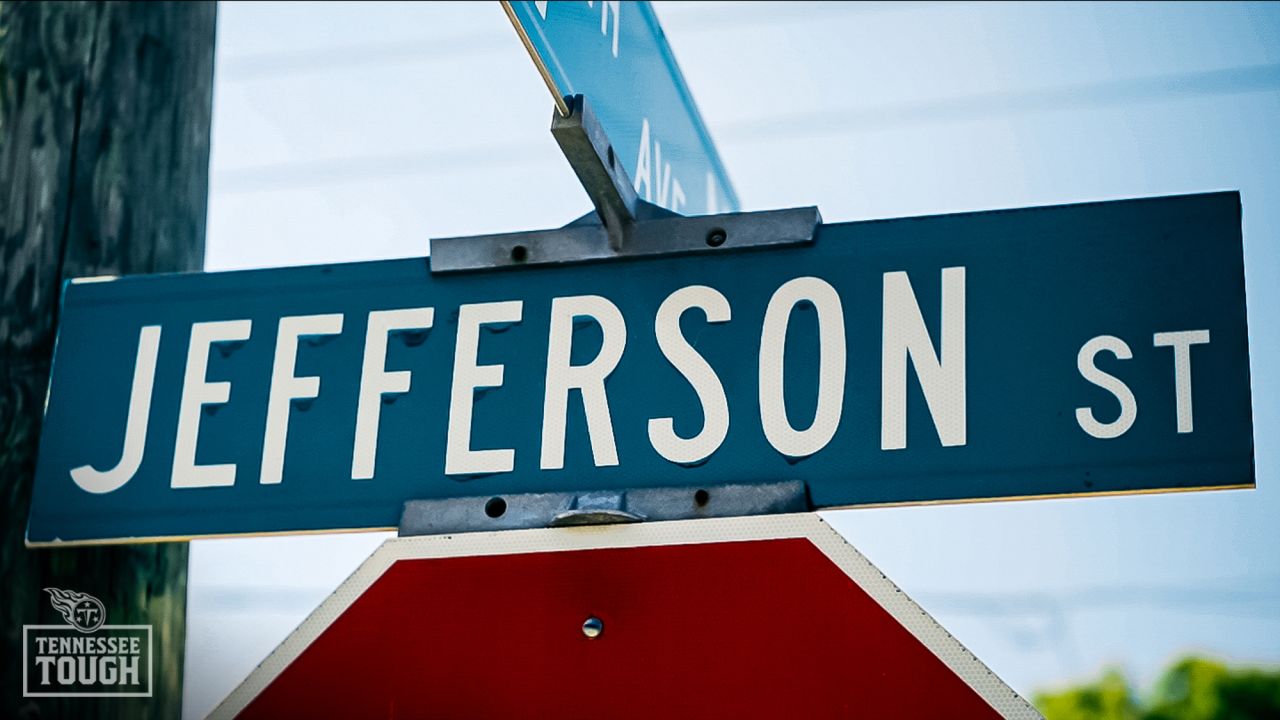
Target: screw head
(592, 627)
(495, 507)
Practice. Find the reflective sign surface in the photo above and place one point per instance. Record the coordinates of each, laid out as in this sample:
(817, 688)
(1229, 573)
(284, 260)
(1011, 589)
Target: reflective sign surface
(1068, 350)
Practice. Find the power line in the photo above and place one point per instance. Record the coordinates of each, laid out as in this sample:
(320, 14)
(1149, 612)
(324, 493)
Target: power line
(263, 65)
(1225, 81)
(1214, 593)
(254, 66)
(1053, 612)
(1204, 594)
(336, 171)
(799, 125)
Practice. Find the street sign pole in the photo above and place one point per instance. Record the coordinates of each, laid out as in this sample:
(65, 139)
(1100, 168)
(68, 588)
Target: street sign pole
(104, 170)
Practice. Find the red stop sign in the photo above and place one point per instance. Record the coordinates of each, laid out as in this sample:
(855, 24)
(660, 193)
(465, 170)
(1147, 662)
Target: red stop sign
(766, 616)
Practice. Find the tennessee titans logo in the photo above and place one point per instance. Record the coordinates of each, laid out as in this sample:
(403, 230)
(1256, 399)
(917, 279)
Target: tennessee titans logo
(82, 611)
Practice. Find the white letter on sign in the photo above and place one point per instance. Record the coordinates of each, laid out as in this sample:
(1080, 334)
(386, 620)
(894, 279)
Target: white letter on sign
(1181, 343)
(644, 164)
(616, 7)
(376, 382)
(694, 368)
(831, 366)
(135, 427)
(196, 393)
(1090, 372)
(589, 379)
(286, 387)
(942, 375)
(459, 458)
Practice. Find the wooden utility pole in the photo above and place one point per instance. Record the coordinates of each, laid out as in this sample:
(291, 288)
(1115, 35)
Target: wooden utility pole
(104, 164)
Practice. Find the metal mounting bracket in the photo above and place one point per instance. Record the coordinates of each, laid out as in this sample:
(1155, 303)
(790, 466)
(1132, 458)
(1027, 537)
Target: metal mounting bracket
(622, 224)
(537, 510)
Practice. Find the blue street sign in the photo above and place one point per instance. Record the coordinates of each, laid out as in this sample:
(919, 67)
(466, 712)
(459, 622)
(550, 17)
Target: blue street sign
(1079, 349)
(616, 55)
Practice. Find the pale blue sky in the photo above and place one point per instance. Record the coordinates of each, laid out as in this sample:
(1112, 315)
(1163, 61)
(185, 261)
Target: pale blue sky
(357, 131)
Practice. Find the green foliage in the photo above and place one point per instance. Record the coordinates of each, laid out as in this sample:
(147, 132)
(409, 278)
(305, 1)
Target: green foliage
(1192, 689)
(1107, 699)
